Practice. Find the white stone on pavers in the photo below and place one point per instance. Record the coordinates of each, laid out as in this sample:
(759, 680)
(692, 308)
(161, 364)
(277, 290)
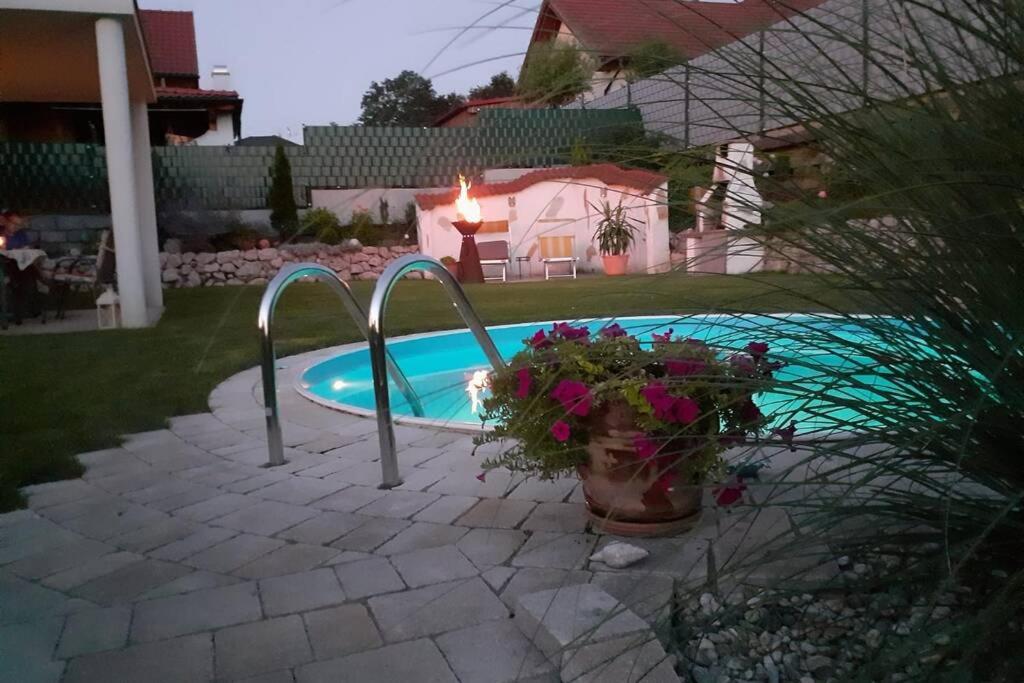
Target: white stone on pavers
(555, 551)
(21, 601)
(684, 558)
(413, 456)
(340, 631)
(435, 609)
(91, 569)
(201, 539)
(59, 558)
(26, 650)
(489, 547)
(498, 513)
(371, 535)
(350, 499)
(564, 517)
(299, 490)
(57, 492)
(496, 577)
(266, 478)
(417, 479)
(399, 504)
(572, 616)
(544, 491)
(360, 473)
(418, 661)
(196, 494)
(215, 507)
(301, 592)
(649, 595)
(422, 535)
(231, 554)
(324, 528)
(163, 489)
(127, 583)
(288, 559)
(465, 483)
(201, 610)
(495, 652)
(197, 580)
(170, 661)
(113, 520)
(94, 630)
(433, 565)
(266, 517)
(637, 658)
(532, 580)
(445, 510)
(370, 577)
(155, 535)
(259, 647)
(347, 556)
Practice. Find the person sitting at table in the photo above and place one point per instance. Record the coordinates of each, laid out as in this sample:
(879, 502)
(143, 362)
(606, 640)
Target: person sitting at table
(23, 283)
(12, 228)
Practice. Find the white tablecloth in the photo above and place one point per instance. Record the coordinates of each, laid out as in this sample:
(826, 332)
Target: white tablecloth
(23, 257)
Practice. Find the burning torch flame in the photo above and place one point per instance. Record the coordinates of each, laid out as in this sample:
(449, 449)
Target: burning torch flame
(468, 208)
(475, 386)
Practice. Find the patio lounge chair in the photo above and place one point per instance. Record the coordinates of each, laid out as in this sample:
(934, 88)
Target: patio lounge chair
(494, 254)
(558, 249)
(71, 279)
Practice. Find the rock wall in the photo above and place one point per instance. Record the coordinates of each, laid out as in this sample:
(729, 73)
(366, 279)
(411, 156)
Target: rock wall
(257, 266)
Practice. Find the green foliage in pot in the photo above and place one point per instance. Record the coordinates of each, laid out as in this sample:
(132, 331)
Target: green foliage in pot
(616, 231)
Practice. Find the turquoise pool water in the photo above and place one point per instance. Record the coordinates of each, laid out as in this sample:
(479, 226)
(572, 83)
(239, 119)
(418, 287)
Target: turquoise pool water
(441, 365)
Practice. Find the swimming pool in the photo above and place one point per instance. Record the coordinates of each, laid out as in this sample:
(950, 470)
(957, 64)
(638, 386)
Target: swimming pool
(441, 365)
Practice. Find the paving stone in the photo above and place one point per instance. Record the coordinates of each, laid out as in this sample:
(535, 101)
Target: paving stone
(350, 499)
(327, 468)
(301, 592)
(568, 617)
(418, 661)
(555, 550)
(58, 492)
(266, 517)
(21, 600)
(683, 558)
(399, 504)
(435, 609)
(369, 577)
(288, 559)
(255, 483)
(233, 553)
(201, 610)
(544, 491)
(196, 494)
(341, 631)
(445, 510)
(418, 479)
(489, 547)
(347, 556)
(281, 676)
(92, 569)
(445, 439)
(262, 646)
(413, 456)
(201, 539)
(26, 650)
(422, 535)
(127, 583)
(155, 535)
(218, 506)
(433, 565)
(8, 519)
(328, 441)
(169, 661)
(448, 461)
(637, 658)
(497, 577)
(495, 652)
(63, 512)
(563, 517)
(497, 513)
(465, 483)
(33, 536)
(60, 558)
(114, 520)
(533, 580)
(299, 490)
(218, 473)
(371, 535)
(197, 580)
(649, 595)
(324, 528)
(94, 630)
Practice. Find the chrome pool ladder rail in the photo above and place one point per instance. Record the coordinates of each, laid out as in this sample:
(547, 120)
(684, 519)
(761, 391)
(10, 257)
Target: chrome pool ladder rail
(268, 304)
(378, 346)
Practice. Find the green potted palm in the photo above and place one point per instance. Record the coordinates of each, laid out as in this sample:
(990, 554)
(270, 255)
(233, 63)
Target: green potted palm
(614, 235)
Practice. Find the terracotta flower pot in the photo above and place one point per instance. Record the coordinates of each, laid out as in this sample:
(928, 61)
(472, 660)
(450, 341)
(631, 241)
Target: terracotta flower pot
(615, 264)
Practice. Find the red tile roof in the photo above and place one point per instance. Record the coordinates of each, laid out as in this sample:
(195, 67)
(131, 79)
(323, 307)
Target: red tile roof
(170, 42)
(194, 94)
(613, 28)
(644, 182)
(514, 101)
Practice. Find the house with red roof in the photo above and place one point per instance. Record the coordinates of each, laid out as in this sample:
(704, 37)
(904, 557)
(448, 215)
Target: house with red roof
(610, 32)
(183, 113)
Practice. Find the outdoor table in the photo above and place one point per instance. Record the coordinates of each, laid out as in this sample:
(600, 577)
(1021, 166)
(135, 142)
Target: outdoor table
(520, 260)
(13, 261)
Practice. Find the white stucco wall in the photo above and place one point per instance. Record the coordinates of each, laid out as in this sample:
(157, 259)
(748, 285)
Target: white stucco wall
(557, 208)
(222, 136)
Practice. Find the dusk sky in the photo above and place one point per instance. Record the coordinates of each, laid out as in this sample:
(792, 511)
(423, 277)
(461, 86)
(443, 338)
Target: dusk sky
(310, 61)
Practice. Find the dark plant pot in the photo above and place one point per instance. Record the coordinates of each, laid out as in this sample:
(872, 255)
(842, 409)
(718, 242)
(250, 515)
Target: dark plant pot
(615, 264)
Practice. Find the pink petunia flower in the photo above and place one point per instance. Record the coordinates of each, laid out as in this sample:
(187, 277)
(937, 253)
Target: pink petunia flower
(786, 434)
(646, 448)
(570, 333)
(560, 430)
(613, 331)
(574, 396)
(525, 382)
(749, 412)
(662, 338)
(685, 410)
(657, 397)
(757, 349)
(482, 476)
(540, 340)
(685, 368)
(731, 493)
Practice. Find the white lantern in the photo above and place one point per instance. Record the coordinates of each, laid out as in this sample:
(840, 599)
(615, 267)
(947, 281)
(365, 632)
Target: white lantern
(108, 310)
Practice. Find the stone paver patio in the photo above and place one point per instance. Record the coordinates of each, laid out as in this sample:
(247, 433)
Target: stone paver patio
(178, 557)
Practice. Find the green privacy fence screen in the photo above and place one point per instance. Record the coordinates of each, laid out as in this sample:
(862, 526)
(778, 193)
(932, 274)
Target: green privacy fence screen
(72, 178)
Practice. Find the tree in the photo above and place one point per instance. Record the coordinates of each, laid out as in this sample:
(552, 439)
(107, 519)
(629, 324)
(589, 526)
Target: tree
(553, 74)
(408, 99)
(653, 57)
(501, 85)
(284, 215)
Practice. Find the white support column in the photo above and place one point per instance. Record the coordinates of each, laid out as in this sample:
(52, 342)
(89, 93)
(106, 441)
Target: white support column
(147, 206)
(124, 212)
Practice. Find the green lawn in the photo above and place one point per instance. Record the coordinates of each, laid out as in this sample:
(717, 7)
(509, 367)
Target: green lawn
(66, 394)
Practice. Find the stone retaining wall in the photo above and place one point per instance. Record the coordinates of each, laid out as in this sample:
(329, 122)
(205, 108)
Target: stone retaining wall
(257, 266)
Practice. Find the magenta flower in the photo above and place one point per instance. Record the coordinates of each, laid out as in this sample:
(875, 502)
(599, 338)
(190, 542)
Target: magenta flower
(749, 412)
(482, 477)
(574, 396)
(612, 331)
(664, 481)
(786, 434)
(560, 430)
(646, 448)
(662, 338)
(685, 368)
(757, 349)
(685, 410)
(570, 333)
(540, 340)
(525, 382)
(658, 397)
(731, 493)
(742, 363)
